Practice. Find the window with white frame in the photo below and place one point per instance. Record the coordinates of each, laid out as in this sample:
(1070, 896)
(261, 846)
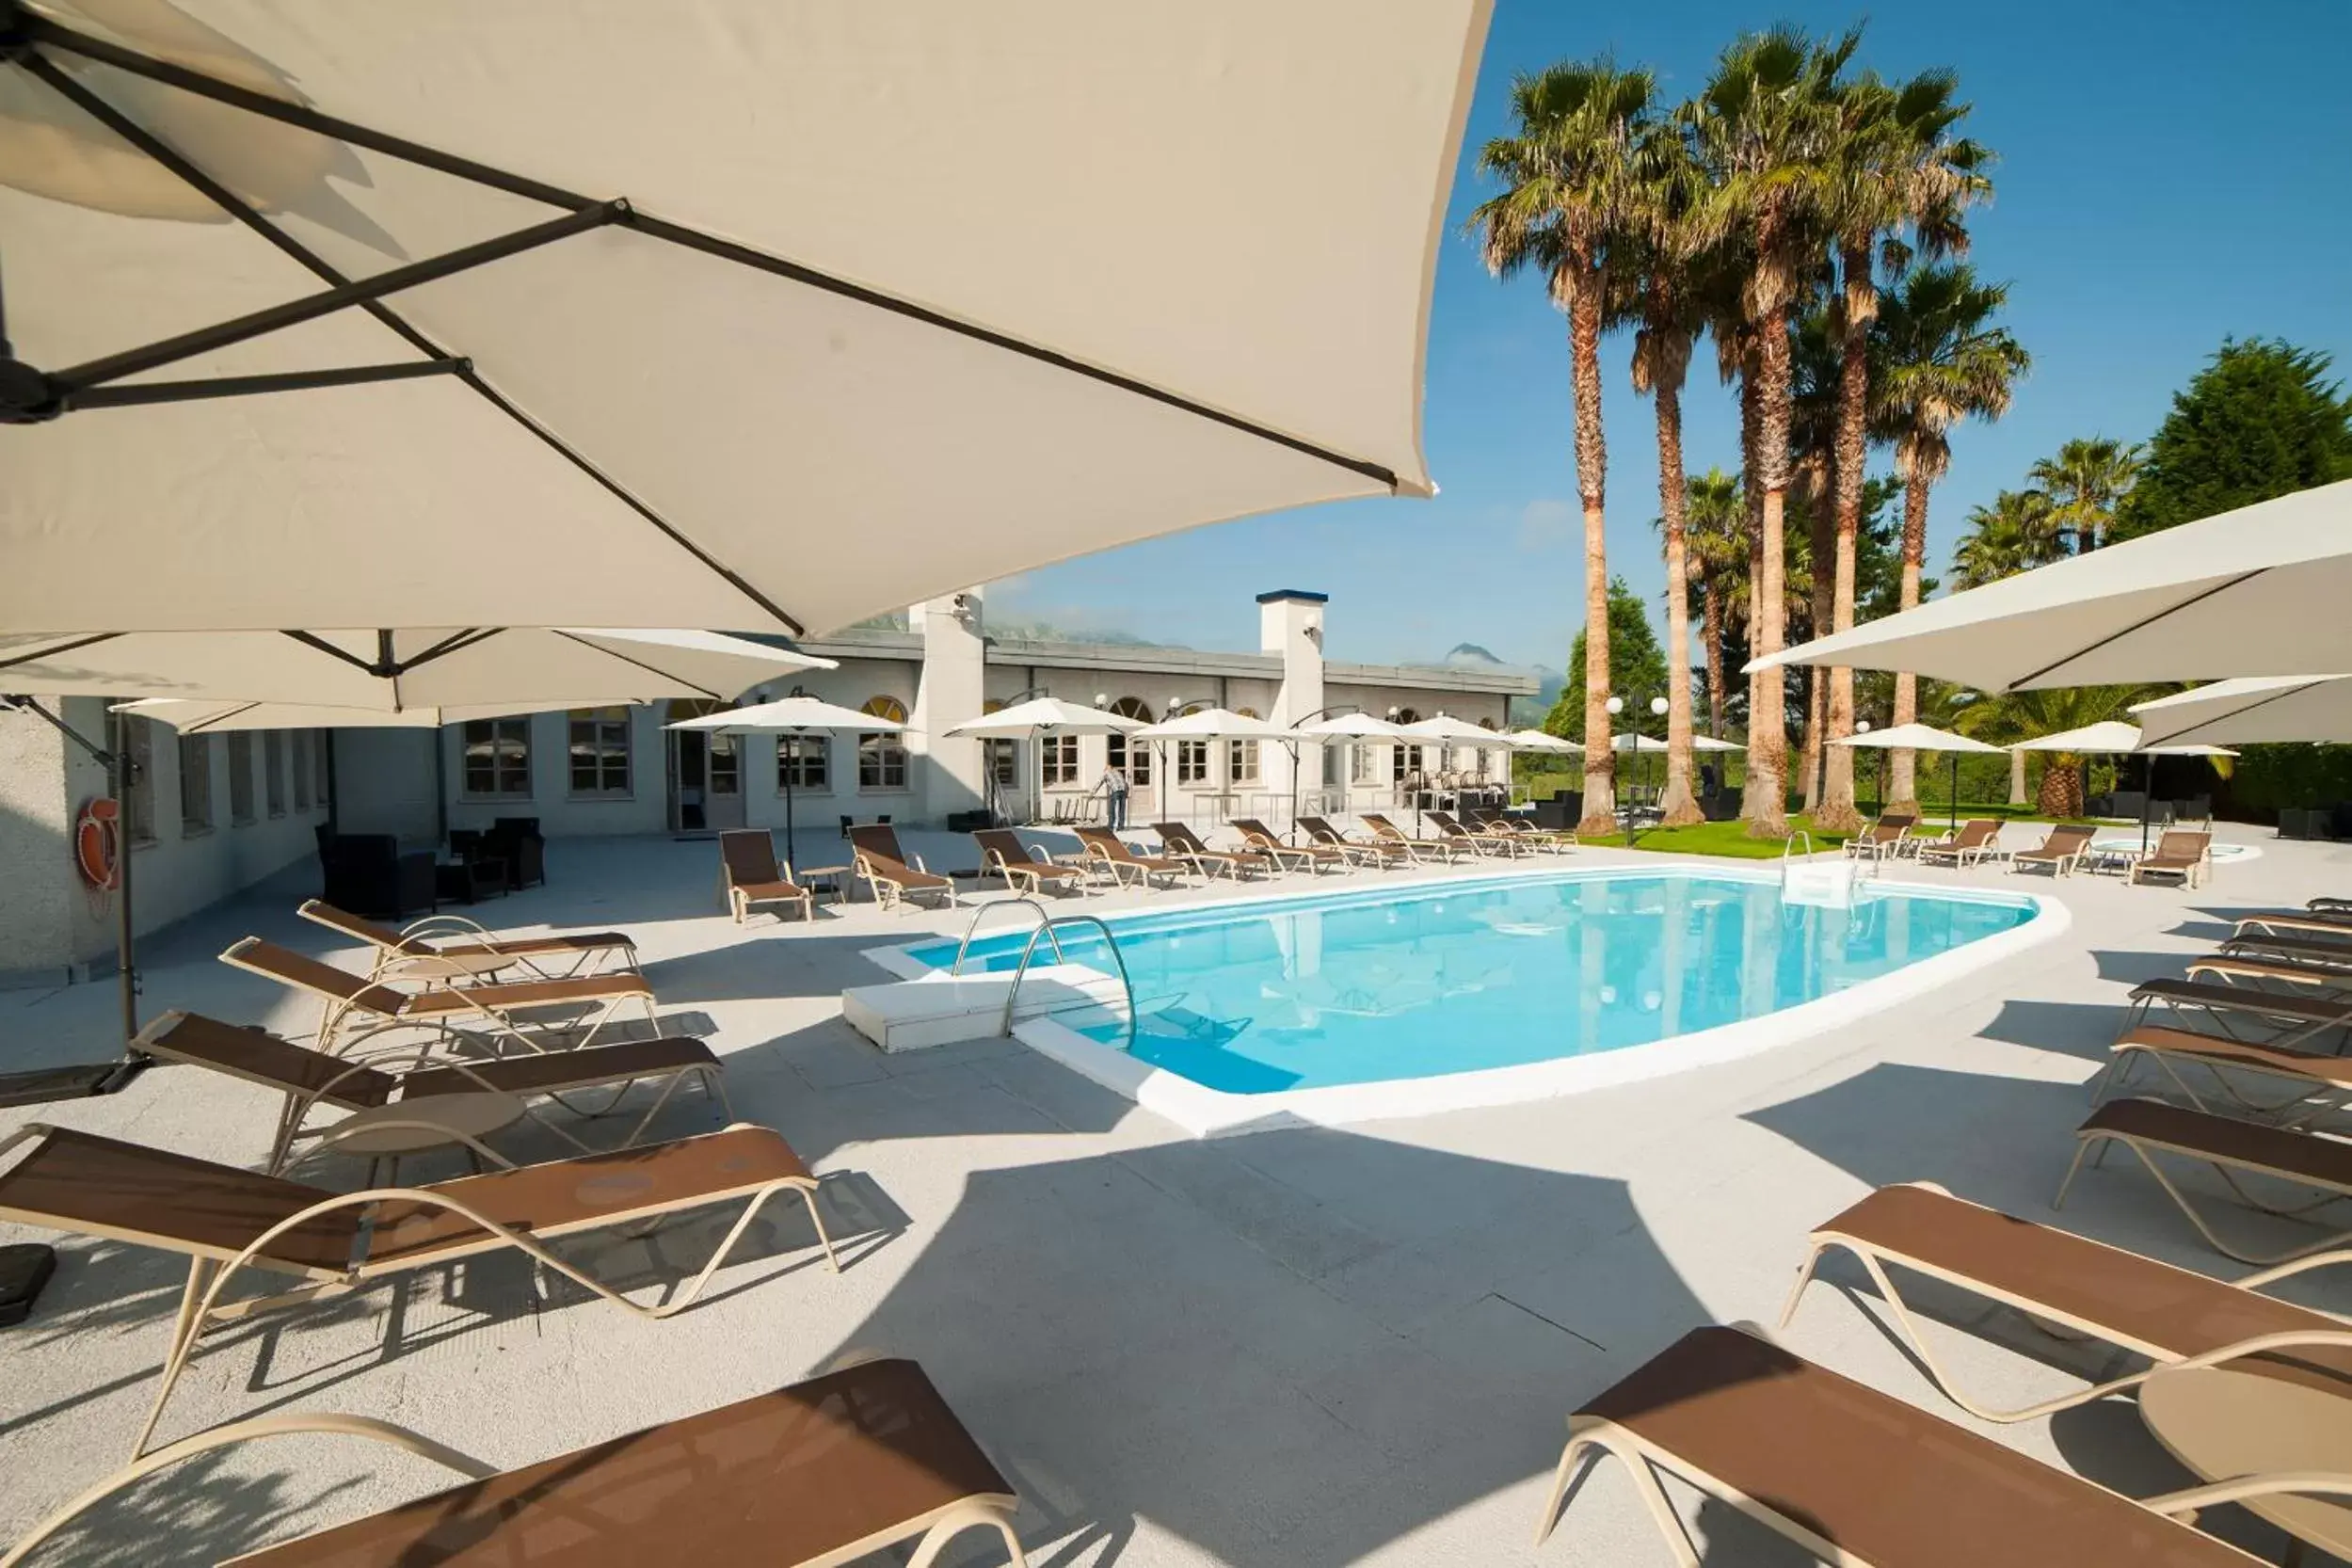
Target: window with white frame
(598, 752)
(1058, 756)
(1004, 757)
(301, 769)
(240, 777)
(274, 770)
(1403, 762)
(1135, 757)
(1241, 761)
(1361, 768)
(196, 785)
(804, 762)
(881, 754)
(1192, 763)
(497, 759)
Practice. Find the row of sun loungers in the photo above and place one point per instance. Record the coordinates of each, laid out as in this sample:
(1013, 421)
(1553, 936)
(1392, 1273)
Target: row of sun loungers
(2180, 854)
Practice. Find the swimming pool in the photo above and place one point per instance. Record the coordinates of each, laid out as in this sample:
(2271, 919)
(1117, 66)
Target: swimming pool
(1422, 995)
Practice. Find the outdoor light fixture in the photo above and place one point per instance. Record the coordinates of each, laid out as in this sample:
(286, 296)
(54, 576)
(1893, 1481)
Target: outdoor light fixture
(1657, 707)
(1102, 699)
(1616, 705)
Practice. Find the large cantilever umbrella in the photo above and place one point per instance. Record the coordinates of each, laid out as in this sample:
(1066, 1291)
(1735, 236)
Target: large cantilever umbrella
(1039, 717)
(793, 715)
(1926, 737)
(2255, 592)
(768, 315)
(509, 670)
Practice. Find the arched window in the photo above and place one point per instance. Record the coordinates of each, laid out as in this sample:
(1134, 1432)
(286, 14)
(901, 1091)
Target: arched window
(1136, 758)
(882, 753)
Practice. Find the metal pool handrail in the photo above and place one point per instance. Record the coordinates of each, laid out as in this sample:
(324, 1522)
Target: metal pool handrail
(1013, 993)
(1044, 918)
(1788, 843)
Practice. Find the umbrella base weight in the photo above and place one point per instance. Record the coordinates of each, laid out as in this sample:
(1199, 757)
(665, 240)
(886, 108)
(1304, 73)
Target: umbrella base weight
(23, 1269)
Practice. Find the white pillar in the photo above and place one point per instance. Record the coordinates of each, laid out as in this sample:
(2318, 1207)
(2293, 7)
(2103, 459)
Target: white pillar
(1290, 624)
(947, 691)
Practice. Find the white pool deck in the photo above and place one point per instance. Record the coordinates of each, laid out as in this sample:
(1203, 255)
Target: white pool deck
(1303, 1347)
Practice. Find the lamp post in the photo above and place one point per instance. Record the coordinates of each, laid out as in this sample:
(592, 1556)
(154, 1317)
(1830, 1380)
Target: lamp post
(1861, 726)
(1658, 711)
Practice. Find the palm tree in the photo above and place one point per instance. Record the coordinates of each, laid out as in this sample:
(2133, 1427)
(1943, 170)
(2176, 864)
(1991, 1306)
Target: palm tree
(2018, 532)
(2052, 711)
(1764, 121)
(1569, 184)
(1715, 529)
(1812, 474)
(2086, 482)
(1937, 360)
(1665, 249)
(1895, 166)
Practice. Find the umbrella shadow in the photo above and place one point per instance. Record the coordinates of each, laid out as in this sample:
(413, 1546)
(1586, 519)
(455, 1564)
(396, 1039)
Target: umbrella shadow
(2083, 1029)
(1294, 1347)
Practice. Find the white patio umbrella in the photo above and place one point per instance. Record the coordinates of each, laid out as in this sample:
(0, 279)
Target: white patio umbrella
(2272, 708)
(2253, 592)
(1542, 741)
(793, 715)
(564, 310)
(1925, 737)
(1039, 717)
(1626, 741)
(220, 718)
(1223, 724)
(512, 670)
(2118, 738)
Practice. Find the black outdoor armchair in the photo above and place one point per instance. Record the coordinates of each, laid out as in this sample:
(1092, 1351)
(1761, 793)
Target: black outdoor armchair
(366, 874)
(517, 842)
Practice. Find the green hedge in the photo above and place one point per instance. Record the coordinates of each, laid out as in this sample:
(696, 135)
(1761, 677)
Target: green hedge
(2269, 776)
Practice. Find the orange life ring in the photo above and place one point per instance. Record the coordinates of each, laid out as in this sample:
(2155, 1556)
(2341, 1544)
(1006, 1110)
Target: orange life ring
(98, 841)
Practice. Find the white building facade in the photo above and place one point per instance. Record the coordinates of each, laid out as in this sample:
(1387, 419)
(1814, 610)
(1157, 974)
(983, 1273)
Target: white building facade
(618, 770)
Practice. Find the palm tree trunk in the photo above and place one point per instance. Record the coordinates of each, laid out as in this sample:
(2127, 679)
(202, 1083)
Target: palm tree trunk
(1824, 542)
(2017, 778)
(1768, 723)
(1902, 789)
(1711, 614)
(1750, 419)
(1584, 347)
(1678, 807)
(1854, 397)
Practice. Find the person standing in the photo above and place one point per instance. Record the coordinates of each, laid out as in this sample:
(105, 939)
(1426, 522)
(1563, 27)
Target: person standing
(1113, 787)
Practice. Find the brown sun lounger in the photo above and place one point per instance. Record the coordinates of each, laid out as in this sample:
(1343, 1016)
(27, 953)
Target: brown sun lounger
(1267, 841)
(1491, 843)
(1978, 839)
(2171, 1316)
(2063, 851)
(422, 951)
(224, 1220)
(1486, 820)
(2288, 1018)
(1863, 1480)
(750, 875)
(887, 875)
(1368, 852)
(2183, 855)
(1107, 850)
(822, 1473)
(1180, 843)
(2314, 1085)
(2270, 969)
(1025, 868)
(1420, 849)
(451, 1002)
(2234, 1149)
(1882, 839)
(309, 1078)
(2318, 951)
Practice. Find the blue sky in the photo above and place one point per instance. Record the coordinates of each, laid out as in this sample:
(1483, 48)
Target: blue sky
(2172, 174)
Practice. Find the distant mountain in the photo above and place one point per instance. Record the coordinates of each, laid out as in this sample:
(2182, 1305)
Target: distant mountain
(1042, 631)
(1524, 710)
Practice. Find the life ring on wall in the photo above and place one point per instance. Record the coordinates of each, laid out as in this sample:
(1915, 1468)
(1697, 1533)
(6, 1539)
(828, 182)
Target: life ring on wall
(97, 843)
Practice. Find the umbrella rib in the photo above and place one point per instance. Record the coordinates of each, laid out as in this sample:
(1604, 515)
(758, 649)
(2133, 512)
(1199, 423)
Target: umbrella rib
(207, 725)
(650, 669)
(456, 642)
(2149, 743)
(28, 24)
(39, 654)
(2141, 624)
(173, 159)
(312, 640)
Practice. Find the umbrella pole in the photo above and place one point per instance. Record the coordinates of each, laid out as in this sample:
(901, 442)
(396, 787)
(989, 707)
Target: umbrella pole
(126, 966)
(788, 800)
(1951, 816)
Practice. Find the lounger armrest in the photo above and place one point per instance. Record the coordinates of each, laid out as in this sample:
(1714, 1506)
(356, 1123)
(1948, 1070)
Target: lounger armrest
(2296, 1266)
(2309, 1483)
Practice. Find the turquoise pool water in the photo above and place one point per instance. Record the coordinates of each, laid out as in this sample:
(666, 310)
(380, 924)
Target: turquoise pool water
(1417, 982)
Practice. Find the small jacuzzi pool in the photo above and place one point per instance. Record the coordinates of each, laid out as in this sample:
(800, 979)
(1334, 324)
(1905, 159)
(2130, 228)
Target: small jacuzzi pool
(1433, 994)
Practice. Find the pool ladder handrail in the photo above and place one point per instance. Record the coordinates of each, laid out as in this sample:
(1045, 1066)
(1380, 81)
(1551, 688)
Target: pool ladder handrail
(1045, 920)
(1127, 983)
(1788, 843)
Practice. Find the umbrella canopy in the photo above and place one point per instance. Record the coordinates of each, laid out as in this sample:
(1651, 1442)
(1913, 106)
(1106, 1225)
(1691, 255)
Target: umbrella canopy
(1045, 715)
(205, 718)
(1537, 740)
(2110, 738)
(512, 670)
(1627, 740)
(564, 311)
(2249, 592)
(1351, 727)
(795, 714)
(1915, 737)
(1447, 730)
(2276, 708)
(1215, 723)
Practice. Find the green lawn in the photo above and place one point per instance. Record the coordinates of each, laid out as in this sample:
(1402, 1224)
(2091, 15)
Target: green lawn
(1727, 838)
